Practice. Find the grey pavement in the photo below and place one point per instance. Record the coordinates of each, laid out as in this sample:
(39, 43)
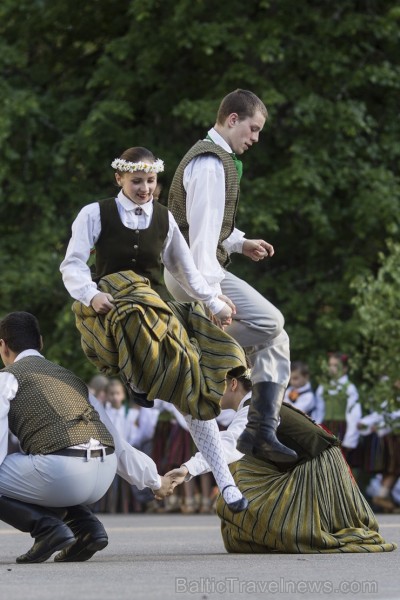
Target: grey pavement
(173, 557)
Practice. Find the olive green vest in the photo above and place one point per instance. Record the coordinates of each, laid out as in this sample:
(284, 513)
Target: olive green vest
(177, 194)
(51, 409)
(122, 249)
(336, 403)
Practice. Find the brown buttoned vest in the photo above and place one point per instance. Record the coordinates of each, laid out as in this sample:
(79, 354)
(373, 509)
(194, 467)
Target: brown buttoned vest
(51, 409)
(177, 194)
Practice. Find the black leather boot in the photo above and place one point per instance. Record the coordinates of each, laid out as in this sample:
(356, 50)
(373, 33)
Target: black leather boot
(259, 438)
(44, 524)
(89, 532)
(138, 397)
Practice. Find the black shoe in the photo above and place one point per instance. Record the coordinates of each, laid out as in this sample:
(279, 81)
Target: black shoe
(60, 538)
(139, 398)
(44, 524)
(259, 437)
(89, 532)
(82, 550)
(238, 505)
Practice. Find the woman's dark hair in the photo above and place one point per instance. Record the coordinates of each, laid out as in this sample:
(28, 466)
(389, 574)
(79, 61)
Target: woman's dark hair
(20, 330)
(138, 154)
(242, 376)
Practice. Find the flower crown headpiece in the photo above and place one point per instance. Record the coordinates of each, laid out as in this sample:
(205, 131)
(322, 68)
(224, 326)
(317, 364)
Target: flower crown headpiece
(119, 164)
(247, 374)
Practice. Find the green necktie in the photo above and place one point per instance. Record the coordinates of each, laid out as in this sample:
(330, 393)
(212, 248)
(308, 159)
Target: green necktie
(238, 165)
(236, 160)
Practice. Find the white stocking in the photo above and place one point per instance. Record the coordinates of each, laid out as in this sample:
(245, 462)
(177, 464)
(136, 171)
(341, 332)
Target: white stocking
(206, 436)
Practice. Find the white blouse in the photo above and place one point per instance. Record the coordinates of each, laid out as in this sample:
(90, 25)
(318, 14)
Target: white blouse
(175, 254)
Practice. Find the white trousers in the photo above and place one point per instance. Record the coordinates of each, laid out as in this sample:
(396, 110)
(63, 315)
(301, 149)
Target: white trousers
(53, 480)
(257, 326)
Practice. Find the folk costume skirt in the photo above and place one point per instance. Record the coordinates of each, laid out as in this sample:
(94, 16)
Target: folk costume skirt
(314, 508)
(169, 350)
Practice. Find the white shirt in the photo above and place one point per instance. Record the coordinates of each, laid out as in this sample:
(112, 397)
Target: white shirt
(353, 410)
(197, 465)
(204, 183)
(134, 466)
(379, 422)
(119, 418)
(318, 413)
(306, 399)
(175, 254)
(141, 425)
(225, 417)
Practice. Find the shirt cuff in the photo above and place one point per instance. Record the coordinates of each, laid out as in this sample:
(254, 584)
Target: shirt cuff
(156, 486)
(192, 474)
(89, 295)
(234, 243)
(216, 305)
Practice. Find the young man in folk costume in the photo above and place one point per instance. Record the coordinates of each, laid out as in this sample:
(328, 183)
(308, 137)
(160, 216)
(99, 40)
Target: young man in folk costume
(71, 450)
(203, 199)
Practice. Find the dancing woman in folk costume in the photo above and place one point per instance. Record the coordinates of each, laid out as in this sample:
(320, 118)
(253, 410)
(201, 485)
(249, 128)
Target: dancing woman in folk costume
(311, 506)
(129, 327)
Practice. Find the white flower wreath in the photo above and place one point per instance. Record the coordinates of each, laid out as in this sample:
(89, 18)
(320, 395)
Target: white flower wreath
(119, 164)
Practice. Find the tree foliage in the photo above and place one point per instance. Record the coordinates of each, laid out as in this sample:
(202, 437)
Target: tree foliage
(377, 304)
(81, 83)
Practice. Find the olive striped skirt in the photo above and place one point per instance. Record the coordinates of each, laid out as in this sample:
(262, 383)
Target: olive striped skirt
(171, 351)
(315, 508)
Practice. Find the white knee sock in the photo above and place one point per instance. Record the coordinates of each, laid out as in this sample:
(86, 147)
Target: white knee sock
(207, 439)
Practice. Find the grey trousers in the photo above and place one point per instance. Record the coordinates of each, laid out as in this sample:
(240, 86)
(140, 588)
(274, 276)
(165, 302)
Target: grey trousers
(258, 326)
(52, 480)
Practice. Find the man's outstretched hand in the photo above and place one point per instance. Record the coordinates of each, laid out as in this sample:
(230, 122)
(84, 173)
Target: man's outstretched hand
(168, 484)
(257, 249)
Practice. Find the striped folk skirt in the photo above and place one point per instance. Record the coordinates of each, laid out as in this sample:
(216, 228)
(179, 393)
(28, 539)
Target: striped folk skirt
(315, 508)
(171, 351)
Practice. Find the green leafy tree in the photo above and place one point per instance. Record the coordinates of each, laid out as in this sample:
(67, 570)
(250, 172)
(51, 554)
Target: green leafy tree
(78, 84)
(377, 304)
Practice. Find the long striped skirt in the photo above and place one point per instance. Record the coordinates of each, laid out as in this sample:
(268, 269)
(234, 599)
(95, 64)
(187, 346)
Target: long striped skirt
(315, 508)
(171, 351)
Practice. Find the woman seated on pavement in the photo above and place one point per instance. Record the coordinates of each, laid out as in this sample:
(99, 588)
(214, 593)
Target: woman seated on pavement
(311, 506)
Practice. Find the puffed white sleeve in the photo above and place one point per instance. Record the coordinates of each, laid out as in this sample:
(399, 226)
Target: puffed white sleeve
(134, 466)
(318, 413)
(179, 262)
(75, 271)
(8, 389)
(204, 182)
(353, 416)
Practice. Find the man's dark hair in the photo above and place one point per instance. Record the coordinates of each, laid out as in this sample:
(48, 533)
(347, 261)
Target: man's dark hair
(20, 330)
(242, 102)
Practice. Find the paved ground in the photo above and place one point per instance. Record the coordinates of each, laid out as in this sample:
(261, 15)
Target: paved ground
(169, 557)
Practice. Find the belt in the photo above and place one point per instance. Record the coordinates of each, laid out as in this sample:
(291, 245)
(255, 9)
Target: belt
(84, 453)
